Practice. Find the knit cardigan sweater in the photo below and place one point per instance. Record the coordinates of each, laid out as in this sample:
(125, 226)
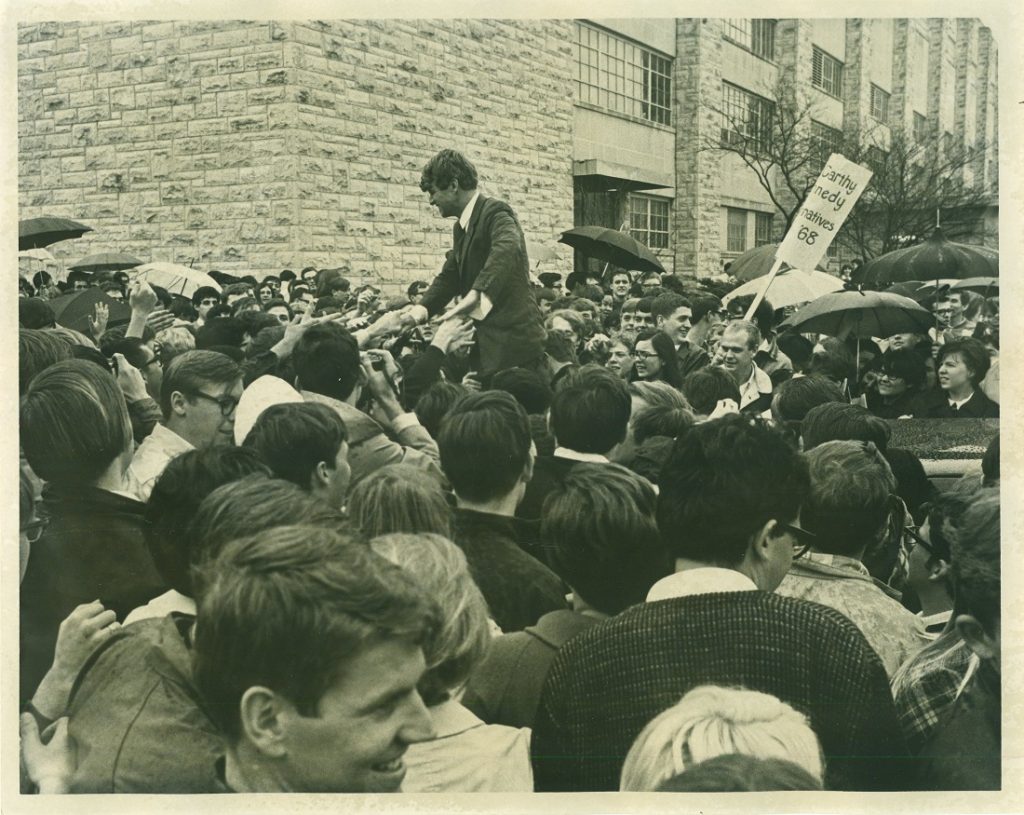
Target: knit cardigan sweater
(609, 681)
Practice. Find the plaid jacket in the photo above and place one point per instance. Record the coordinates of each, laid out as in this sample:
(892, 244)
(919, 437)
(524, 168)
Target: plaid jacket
(609, 681)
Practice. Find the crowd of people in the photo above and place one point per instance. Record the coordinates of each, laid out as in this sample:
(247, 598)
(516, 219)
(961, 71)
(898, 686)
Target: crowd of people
(294, 535)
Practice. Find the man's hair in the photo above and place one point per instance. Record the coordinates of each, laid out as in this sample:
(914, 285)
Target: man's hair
(79, 276)
(74, 422)
(973, 353)
(629, 304)
(218, 331)
(435, 402)
(575, 320)
(705, 387)
(703, 305)
(445, 167)
(37, 351)
(297, 289)
(750, 329)
(326, 361)
(710, 721)
(590, 412)
(462, 639)
(288, 608)
(245, 507)
(735, 772)
(976, 561)
(34, 312)
(659, 420)
(399, 498)
(528, 387)
(544, 293)
(188, 373)
(599, 526)
(764, 317)
(177, 494)
(416, 287)
(132, 349)
(175, 341)
(795, 397)
(559, 347)
(907, 364)
(202, 293)
(658, 393)
(851, 496)
(232, 289)
(665, 305)
(485, 445)
(253, 322)
(294, 438)
(724, 480)
(798, 348)
(839, 421)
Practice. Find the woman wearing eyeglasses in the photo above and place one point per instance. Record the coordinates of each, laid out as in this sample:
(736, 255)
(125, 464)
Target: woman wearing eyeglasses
(900, 385)
(655, 358)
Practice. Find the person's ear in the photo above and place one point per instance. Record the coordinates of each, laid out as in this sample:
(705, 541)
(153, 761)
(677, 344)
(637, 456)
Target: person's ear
(320, 476)
(978, 640)
(762, 539)
(178, 403)
(531, 458)
(263, 722)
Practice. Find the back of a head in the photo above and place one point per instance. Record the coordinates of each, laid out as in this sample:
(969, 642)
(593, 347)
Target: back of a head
(658, 394)
(976, 561)
(294, 438)
(37, 351)
(34, 312)
(174, 341)
(764, 317)
(711, 721)
(132, 348)
(798, 348)
(599, 524)
(839, 421)
(74, 423)
(658, 420)
(189, 372)
(850, 498)
(700, 512)
(795, 397)
(177, 494)
(220, 331)
(249, 506)
(704, 388)
(990, 463)
(734, 772)
(287, 608)
(590, 414)
(399, 498)
(485, 445)
(463, 637)
(529, 389)
(704, 304)
(326, 361)
(435, 402)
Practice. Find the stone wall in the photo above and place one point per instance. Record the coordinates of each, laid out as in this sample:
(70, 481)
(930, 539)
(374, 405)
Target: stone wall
(256, 146)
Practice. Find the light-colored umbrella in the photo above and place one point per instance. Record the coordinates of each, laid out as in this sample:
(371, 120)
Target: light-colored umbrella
(789, 288)
(174, 277)
(538, 252)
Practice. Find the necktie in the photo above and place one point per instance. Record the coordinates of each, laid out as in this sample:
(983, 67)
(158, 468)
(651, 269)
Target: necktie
(459, 233)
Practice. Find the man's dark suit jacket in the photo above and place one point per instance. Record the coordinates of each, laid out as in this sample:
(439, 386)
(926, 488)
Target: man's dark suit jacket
(609, 681)
(491, 258)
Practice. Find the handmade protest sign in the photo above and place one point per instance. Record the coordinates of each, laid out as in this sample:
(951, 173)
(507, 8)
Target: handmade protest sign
(816, 224)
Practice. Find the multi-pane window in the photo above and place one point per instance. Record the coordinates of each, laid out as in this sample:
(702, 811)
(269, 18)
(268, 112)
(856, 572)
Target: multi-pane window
(620, 76)
(756, 35)
(920, 128)
(762, 228)
(879, 104)
(826, 73)
(876, 159)
(828, 140)
(648, 220)
(746, 118)
(736, 230)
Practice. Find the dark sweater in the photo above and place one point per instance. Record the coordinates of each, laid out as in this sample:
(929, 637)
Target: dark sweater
(608, 682)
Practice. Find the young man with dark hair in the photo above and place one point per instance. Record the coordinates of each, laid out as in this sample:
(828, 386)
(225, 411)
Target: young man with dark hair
(487, 268)
(487, 454)
(702, 624)
(673, 314)
(198, 396)
(234, 292)
(330, 370)
(599, 525)
(306, 444)
(706, 321)
(141, 356)
(620, 285)
(841, 421)
(589, 418)
(204, 298)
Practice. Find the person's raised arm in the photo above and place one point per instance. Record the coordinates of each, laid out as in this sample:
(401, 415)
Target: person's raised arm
(144, 302)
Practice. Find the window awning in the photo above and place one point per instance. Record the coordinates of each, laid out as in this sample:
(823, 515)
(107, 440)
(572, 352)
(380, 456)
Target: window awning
(597, 174)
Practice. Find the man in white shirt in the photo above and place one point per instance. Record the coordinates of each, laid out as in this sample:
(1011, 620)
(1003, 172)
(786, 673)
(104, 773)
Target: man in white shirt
(198, 396)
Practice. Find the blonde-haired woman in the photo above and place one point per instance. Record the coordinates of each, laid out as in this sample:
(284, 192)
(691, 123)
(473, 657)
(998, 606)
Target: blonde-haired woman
(711, 721)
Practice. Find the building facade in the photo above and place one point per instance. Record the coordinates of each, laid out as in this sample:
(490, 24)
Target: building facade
(258, 146)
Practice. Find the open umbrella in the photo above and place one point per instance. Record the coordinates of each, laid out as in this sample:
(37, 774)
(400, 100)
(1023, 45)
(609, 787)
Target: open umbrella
(34, 233)
(756, 262)
(74, 310)
(985, 286)
(936, 258)
(106, 261)
(789, 288)
(617, 248)
(861, 314)
(174, 277)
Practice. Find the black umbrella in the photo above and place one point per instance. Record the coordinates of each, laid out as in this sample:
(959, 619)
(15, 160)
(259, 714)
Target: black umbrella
(861, 314)
(74, 310)
(106, 262)
(934, 259)
(34, 233)
(617, 248)
(757, 262)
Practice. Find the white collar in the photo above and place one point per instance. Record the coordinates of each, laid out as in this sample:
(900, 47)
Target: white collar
(467, 213)
(705, 580)
(595, 458)
(962, 402)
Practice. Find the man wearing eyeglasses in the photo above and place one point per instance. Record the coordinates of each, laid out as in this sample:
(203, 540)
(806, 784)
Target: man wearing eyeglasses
(198, 397)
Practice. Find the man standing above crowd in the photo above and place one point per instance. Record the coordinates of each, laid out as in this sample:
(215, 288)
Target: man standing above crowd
(487, 268)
